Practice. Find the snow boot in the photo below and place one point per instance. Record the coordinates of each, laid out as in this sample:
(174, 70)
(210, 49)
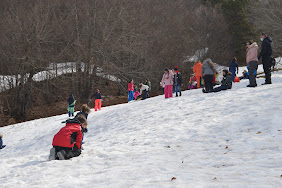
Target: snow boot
(2, 146)
(52, 155)
(61, 155)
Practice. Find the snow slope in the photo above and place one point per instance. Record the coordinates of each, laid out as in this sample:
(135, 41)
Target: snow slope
(226, 139)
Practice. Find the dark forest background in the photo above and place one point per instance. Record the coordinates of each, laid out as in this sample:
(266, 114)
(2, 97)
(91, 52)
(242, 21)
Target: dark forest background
(128, 39)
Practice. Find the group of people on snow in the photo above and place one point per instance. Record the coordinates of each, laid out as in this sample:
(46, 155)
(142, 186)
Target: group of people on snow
(142, 91)
(67, 143)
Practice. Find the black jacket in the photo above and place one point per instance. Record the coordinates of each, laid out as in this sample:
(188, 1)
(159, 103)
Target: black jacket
(96, 95)
(71, 99)
(227, 81)
(177, 79)
(266, 48)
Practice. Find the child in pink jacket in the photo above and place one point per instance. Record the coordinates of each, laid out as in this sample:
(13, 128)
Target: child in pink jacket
(168, 80)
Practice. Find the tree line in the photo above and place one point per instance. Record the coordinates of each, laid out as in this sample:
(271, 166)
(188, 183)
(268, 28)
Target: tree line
(127, 39)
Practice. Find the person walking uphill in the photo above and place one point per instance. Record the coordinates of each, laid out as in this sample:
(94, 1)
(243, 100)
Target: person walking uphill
(233, 67)
(197, 69)
(168, 80)
(252, 61)
(266, 55)
(67, 142)
(71, 104)
(208, 71)
(130, 91)
(98, 99)
(178, 81)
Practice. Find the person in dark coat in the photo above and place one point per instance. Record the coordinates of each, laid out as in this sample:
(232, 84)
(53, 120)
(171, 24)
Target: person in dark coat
(98, 99)
(1, 142)
(233, 67)
(67, 142)
(226, 82)
(266, 55)
(85, 110)
(177, 81)
(71, 105)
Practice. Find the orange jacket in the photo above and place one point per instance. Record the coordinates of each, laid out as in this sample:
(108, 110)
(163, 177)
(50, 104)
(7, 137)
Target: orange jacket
(197, 69)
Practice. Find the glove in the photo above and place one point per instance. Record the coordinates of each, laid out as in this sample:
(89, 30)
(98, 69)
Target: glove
(89, 99)
(101, 100)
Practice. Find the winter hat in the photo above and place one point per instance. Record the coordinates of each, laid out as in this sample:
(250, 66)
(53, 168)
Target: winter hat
(225, 71)
(166, 69)
(176, 68)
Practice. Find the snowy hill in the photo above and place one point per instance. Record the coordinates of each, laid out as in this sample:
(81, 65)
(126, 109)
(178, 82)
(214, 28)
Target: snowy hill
(227, 139)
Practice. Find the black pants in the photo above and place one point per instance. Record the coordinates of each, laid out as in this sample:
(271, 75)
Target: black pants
(70, 152)
(145, 94)
(220, 88)
(253, 65)
(208, 82)
(266, 62)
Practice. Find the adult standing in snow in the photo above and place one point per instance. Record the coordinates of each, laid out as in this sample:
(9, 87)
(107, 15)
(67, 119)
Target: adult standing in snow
(168, 80)
(252, 61)
(197, 69)
(131, 90)
(71, 105)
(208, 71)
(233, 67)
(266, 55)
(178, 81)
(67, 142)
(143, 91)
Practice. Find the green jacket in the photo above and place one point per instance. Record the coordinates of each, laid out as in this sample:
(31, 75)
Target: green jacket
(71, 107)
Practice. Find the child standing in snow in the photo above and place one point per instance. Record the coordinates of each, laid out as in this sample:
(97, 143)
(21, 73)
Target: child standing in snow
(1, 142)
(168, 80)
(67, 142)
(98, 99)
(71, 104)
(130, 90)
(178, 81)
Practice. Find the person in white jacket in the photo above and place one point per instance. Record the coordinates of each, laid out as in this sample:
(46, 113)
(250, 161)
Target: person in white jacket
(144, 91)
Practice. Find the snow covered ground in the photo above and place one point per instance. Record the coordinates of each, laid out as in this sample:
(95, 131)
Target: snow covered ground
(227, 139)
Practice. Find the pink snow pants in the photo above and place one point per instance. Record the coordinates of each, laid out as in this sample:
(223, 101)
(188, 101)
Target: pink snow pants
(168, 91)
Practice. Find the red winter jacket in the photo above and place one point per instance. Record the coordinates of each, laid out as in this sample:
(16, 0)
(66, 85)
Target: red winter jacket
(69, 135)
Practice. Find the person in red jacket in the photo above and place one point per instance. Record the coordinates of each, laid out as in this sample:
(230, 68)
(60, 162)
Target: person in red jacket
(67, 142)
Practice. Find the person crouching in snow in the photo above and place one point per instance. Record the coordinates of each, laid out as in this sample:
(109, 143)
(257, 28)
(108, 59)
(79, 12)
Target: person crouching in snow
(98, 99)
(136, 93)
(168, 80)
(1, 142)
(226, 82)
(144, 91)
(178, 81)
(67, 142)
(71, 104)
